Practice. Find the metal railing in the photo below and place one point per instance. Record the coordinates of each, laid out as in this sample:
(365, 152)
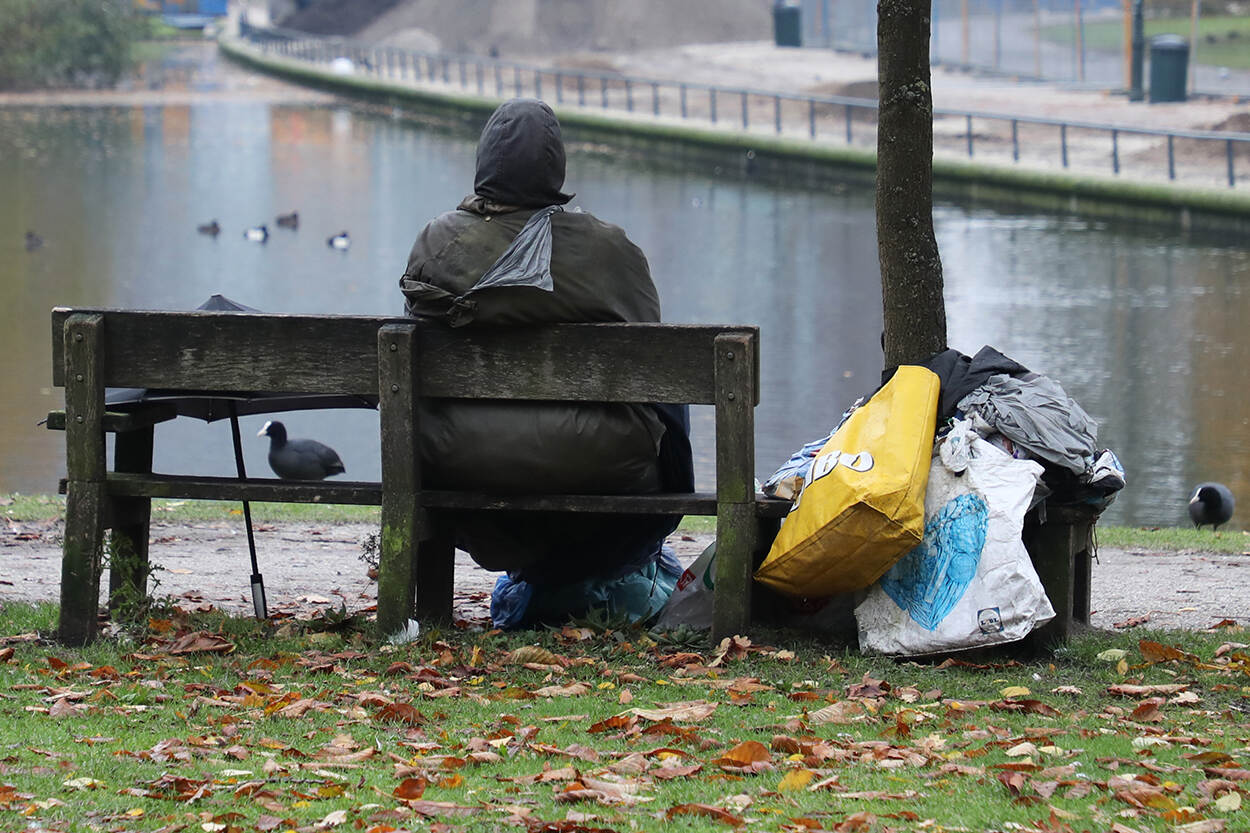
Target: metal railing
(1211, 157)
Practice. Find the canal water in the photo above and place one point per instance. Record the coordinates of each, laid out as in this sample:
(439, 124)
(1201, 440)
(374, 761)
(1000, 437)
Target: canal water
(1144, 328)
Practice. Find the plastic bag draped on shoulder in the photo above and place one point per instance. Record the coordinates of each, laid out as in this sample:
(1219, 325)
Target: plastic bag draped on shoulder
(526, 262)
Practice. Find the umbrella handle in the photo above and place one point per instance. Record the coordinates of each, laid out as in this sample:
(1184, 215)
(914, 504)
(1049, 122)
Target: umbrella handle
(258, 583)
(258, 597)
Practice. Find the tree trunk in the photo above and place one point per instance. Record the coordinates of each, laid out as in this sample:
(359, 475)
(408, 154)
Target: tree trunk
(911, 269)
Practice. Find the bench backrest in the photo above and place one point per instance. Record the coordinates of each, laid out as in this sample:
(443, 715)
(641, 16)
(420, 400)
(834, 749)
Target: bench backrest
(338, 354)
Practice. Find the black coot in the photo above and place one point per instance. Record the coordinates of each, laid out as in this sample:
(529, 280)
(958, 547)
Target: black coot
(1212, 503)
(299, 459)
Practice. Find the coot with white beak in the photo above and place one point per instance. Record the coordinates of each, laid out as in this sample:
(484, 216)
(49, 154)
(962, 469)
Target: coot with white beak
(299, 459)
(1212, 503)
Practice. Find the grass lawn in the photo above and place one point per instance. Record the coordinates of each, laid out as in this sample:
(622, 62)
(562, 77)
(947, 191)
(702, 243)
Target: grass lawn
(217, 724)
(207, 722)
(1222, 41)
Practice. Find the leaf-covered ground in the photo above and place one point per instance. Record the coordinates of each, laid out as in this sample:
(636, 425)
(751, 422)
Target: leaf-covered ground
(208, 723)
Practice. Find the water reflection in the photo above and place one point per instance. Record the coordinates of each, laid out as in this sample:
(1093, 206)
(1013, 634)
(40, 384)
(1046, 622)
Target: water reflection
(1142, 328)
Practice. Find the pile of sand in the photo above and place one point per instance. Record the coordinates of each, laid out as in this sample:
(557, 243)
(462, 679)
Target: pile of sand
(529, 28)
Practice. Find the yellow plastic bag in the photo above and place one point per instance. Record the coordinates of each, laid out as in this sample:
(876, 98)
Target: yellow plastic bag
(862, 506)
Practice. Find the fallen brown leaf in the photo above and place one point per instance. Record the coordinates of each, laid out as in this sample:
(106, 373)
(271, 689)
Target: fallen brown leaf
(682, 712)
(706, 811)
(1204, 826)
(860, 822)
(868, 687)
(621, 722)
(841, 712)
(1147, 711)
(410, 789)
(666, 773)
(1132, 690)
(65, 708)
(399, 713)
(200, 642)
(747, 752)
(535, 655)
(1229, 773)
(570, 690)
(1029, 706)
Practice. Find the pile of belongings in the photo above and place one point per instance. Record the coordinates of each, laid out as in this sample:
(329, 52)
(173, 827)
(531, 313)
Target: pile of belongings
(1029, 416)
(928, 536)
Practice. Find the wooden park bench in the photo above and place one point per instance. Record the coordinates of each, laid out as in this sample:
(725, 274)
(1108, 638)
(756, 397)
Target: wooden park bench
(393, 360)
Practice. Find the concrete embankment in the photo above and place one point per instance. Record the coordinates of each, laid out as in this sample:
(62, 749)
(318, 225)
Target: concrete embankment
(704, 146)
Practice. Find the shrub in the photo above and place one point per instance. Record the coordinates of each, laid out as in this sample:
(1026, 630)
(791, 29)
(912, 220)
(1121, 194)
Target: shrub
(64, 43)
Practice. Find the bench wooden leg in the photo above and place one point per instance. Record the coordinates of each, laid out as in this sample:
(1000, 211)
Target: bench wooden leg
(736, 529)
(736, 532)
(1059, 550)
(128, 563)
(1082, 576)
(87, 490)
(434, 573)
(80, 561)
(403, 519)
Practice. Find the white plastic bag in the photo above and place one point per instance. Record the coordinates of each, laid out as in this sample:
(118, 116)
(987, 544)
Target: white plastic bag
(970, 581)
(691, 601)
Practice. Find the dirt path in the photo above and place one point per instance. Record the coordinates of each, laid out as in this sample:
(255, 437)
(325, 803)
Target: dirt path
(309, 568)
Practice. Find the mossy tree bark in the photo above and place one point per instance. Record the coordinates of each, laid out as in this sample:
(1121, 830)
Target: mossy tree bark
(911, 269)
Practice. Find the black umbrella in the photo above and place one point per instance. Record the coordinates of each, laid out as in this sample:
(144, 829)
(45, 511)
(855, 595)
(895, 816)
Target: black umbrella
(214, 405)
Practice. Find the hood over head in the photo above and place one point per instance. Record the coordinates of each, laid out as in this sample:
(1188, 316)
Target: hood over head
(520, 156)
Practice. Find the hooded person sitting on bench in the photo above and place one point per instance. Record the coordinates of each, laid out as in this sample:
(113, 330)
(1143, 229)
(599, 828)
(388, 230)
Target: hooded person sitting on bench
(512, 254)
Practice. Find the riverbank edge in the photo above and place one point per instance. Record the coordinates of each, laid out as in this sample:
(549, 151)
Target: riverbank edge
(785, 158)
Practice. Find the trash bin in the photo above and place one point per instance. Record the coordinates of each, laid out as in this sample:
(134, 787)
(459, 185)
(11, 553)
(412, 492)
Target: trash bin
(1169, 62)
(787, 25)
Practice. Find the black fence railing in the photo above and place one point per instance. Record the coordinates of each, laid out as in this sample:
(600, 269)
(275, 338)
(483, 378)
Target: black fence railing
(1196, 156)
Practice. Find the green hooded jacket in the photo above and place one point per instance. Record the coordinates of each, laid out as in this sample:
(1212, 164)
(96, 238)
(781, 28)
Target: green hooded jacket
(593, 273)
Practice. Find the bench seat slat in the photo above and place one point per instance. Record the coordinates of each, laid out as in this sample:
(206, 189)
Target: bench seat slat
(695, 503)
(269, 490)
(364, 493)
